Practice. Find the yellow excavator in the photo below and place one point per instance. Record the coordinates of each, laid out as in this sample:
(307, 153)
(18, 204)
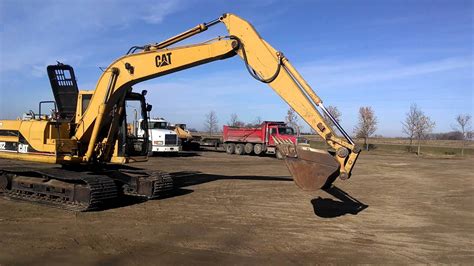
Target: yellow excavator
(86, 132)
(188, 141)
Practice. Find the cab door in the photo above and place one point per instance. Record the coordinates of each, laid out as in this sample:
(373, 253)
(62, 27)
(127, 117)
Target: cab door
(272, 131)
(134, 145)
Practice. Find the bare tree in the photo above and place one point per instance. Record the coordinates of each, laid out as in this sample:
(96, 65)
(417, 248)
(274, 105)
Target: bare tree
(291, 119)
(464, 126)
(470, 135)
(210, 124)
(423, 128)
(234, 121)
(411, 120)
(335, 113)
(367, 124)
(257, 121)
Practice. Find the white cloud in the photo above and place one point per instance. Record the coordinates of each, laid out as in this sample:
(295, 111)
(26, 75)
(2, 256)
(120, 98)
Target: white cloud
(36, 32)
(157, 12)
(339, 73)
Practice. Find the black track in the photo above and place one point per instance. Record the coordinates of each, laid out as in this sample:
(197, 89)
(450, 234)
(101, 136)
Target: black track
(162, 183)
(91, 190)
(101, 189)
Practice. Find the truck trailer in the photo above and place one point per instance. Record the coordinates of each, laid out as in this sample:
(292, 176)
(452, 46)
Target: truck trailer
(258, 140)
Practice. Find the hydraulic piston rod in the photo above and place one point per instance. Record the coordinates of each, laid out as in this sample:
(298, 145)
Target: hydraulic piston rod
(184, 35)
(334, 121)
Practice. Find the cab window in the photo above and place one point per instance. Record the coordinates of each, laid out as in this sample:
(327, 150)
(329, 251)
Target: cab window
(286, 131)
(86, 98)
(157, 125)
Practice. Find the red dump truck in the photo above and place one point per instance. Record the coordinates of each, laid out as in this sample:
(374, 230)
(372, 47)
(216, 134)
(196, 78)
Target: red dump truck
(258, 140)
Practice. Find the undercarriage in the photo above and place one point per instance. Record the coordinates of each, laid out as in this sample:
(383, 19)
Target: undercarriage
(81, 190)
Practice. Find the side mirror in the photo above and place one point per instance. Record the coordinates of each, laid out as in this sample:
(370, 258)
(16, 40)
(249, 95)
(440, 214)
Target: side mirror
(144, 92)
(149, 107)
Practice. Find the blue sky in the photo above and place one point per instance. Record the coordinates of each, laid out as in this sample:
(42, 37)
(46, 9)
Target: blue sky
(384, 54)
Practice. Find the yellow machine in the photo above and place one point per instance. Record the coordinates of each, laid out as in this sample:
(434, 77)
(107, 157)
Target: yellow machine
(88, 129)
(187, 140)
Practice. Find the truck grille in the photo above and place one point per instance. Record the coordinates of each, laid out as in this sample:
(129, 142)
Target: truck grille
(171, 139)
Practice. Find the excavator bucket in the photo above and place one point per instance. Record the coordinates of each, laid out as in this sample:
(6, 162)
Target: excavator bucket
(312, 169)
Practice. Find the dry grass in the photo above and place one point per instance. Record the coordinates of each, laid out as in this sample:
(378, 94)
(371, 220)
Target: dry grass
(388, 145)
(403, 141)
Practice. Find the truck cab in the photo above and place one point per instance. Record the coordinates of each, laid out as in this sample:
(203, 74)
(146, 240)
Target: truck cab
(161, 137)
(277, 132)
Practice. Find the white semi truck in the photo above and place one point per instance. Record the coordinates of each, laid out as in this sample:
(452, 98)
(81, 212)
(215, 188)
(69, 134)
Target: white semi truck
(162, 139)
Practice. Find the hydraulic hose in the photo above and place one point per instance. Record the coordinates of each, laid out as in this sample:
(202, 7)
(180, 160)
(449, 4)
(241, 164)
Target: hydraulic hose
(252, 71)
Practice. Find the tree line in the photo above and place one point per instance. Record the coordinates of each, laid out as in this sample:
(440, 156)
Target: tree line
(417, 126)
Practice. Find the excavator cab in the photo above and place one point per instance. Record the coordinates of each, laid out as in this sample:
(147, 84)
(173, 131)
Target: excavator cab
(134, 144)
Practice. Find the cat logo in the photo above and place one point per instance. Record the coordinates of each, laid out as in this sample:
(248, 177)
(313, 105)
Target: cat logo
(163, 60)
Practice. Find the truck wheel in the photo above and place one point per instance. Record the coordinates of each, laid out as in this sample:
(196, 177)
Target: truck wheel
(248, 148)
(257, 149)
(279, 155)
(230, 148)
(239, 149)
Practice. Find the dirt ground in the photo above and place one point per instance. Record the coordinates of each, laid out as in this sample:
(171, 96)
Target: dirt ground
(245, 209)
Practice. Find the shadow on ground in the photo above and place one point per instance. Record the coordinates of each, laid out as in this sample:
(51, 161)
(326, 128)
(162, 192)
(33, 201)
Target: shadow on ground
(181, 180)
(177, 154)
(184, 179)
(329, 208)
(125, 200)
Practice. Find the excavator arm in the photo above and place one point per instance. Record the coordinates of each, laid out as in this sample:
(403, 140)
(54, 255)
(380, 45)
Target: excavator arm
(311, 168)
